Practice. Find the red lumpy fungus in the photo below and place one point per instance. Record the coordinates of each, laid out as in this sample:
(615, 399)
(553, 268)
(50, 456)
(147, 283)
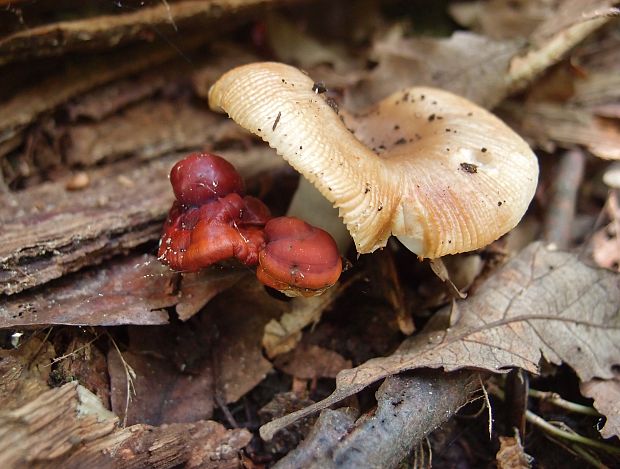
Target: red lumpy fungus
(298, 258)
(212, 220)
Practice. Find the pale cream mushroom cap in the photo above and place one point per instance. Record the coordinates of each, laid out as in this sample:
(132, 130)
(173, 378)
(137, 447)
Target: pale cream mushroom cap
(432, 168)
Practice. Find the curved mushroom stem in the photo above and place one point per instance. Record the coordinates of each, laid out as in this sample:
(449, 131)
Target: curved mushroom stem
(310, 205)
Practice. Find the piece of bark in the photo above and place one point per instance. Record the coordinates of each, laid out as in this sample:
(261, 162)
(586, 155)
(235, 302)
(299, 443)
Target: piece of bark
(105, 31)
(409, 407)
(25, 371)
(68, 81)
(150, 129)
(48, 231)
(108, 99)
(67, 427)
(128, 290)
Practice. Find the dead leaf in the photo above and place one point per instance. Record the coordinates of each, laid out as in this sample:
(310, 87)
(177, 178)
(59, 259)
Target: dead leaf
(499, 19)
(565, 27)
(466, 63)
(550, 125)
(606, 395)
(173, 379)
(197, 289)
(311, 362)
(541, 304)
(239, 316)
(291, 45)
(511, 454)
(282, 335)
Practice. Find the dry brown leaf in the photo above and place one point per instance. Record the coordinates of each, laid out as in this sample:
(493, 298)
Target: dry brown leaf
(550, 125)
(311, 362)
(291, 45)
(173, 378)
(282, 335)
(606, 395)
(198, 288)
(541, 304)
(467, 64)
(238, 317)
(500, 19)
(511, 454)
(564, 28)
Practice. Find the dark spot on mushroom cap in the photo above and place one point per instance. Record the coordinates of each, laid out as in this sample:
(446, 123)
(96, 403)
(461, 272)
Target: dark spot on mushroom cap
(469, 168)
(483, 150)
(431, 118)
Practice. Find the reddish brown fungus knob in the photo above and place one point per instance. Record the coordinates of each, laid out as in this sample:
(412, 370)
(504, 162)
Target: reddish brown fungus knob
(210, 221)
(298, 259)
(200, 177)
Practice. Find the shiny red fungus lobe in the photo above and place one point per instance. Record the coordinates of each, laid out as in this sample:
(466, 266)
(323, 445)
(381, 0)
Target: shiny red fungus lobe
(298, 259)
(211, 220)
(200, 177)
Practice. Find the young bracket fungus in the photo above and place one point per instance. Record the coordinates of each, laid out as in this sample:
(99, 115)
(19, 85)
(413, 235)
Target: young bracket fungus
(212, 221)
(435, 170)
(298, 258)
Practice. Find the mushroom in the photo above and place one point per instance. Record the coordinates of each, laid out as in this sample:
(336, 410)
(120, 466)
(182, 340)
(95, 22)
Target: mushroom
(298, 259)
(210, 221)
(432, 168)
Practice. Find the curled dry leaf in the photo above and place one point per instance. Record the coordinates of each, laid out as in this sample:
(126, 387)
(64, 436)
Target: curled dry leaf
(282, 335)
(173, 377)
(541, 304)
(311, 362)
(467, 64)
(564, 28)
(606, 395)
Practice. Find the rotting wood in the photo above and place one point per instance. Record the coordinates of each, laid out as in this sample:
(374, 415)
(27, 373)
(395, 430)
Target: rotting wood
(103, 31)
(127, 290)
(48, 231)
(67, 427)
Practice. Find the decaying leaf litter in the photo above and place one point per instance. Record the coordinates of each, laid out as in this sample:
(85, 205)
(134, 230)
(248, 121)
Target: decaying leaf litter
(84, 155)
